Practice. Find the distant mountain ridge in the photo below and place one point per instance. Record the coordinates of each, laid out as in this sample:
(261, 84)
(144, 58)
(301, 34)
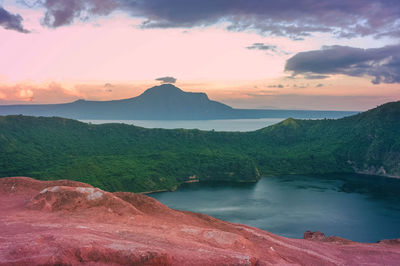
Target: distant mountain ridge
(164, 102)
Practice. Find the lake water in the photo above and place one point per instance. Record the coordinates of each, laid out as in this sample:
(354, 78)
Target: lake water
(360, 208)
(217, 125)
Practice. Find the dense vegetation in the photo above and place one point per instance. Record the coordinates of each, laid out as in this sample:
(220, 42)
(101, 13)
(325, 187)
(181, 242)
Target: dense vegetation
(124, 157)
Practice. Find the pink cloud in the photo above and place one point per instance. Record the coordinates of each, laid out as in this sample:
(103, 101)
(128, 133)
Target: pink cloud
(25, 94)
(3, 96)
(49, 93)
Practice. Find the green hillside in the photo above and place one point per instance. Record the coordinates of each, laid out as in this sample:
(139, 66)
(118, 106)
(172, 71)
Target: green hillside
(124, 157)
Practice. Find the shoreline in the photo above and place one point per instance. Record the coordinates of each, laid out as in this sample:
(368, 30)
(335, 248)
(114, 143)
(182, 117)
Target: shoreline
(168, 190)
(153, 191)
(191, 181)
(159, 190)
(263, 176)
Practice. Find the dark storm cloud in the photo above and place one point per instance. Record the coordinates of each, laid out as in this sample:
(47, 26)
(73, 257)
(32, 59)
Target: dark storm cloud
(166, 79)
(294, 19)
(11, 21)
(381, 63)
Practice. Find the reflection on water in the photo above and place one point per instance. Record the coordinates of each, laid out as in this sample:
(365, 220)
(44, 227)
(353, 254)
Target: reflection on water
(360, 208)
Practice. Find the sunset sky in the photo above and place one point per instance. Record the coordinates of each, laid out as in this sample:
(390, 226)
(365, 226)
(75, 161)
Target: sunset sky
(305, 54)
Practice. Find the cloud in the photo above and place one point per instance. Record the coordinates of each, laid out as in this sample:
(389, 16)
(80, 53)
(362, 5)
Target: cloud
(319, 85)
(26, 94)
(166, 79)
(108, 87)
(262, 46)
(3, 96)
(53, 92)
(300, 86)
(11, 21)
(16, 93)
(383, 64)
(261, 93)
(30, 3)
(268, 48)
(294, 19)
(308, 102)
(63, 12)
(280, 86)
(313, 76)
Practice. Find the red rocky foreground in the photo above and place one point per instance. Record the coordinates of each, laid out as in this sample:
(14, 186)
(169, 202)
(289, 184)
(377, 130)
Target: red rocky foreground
(72, 223)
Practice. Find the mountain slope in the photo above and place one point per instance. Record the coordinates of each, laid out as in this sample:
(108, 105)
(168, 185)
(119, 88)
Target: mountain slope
(164, 102)
(174, 103)
(368, 142)
(124, 157)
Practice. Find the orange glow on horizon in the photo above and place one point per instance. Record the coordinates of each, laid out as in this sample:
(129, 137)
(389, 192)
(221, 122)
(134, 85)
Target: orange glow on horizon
(270, 93)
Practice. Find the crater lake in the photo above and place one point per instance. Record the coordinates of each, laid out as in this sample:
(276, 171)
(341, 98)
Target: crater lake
(357, 207)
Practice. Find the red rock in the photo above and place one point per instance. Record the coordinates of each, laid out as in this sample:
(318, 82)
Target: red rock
(390, 241)
(71, 223)
(319, 236)
(27, 185)
(73, 199)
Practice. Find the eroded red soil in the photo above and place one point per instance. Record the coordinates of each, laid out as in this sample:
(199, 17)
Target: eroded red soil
(67, 222)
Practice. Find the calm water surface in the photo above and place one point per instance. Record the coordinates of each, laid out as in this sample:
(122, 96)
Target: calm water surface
(360, 208)
(217, 125)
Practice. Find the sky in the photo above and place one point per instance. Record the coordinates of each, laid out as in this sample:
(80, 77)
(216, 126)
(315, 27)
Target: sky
(304, 54)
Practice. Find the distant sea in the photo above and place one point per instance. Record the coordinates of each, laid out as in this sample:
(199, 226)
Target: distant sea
(217, 125)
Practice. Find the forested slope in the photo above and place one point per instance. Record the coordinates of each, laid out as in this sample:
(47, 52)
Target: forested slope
(124, 157)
